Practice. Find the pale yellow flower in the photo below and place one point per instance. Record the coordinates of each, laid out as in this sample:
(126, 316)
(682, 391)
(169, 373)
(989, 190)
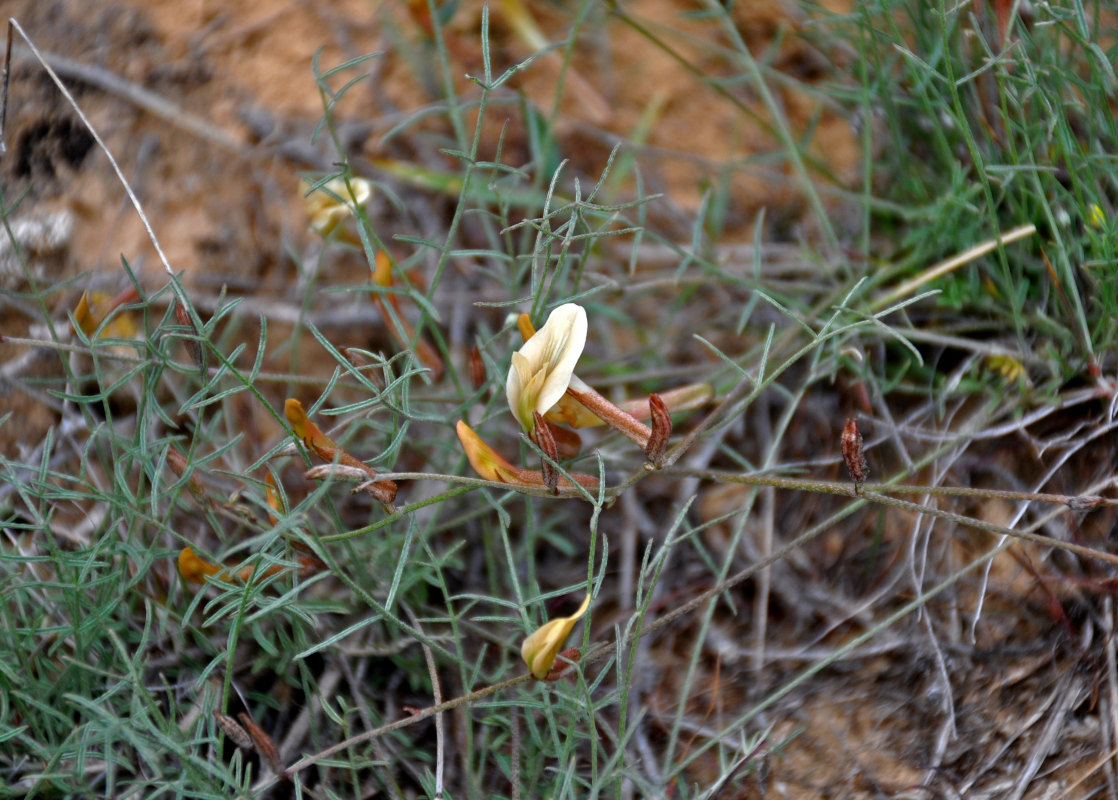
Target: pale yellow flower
(542, 369)
(542, 647)
(327, 212)
(569, 411)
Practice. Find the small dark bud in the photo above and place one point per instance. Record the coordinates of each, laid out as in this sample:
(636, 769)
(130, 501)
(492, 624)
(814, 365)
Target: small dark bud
(661, 430)
(563, 663)
(852, 454)
(193, 345)
(234, 731)
(542, 436)
(477, 368)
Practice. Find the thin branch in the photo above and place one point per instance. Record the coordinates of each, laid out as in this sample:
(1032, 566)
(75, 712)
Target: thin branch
(956, 261)
(437, 693)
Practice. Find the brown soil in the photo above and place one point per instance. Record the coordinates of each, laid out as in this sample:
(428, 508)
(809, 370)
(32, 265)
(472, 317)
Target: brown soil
(217, 174)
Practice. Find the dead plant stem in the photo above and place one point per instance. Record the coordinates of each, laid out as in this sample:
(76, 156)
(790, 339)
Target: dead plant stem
(1077, 502)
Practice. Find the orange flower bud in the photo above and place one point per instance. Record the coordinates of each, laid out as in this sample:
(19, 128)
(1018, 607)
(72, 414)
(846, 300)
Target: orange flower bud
(489, 464)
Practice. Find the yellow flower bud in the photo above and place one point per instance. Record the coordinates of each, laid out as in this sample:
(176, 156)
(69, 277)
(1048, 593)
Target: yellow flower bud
(541, 648)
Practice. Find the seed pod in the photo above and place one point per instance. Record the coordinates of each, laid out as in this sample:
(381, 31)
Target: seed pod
(661, 430)
(541, 433)
(234, 731)
(263, 743)
(852, 454)
(563, 664)
(477, 368)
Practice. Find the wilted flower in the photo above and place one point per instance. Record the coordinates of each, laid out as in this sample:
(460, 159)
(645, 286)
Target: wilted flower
(113, 330)
(323, 446)
(542, 369)
(194, 568)
(93, 309)
(492, 466)
(331, 204)
(543, 645)
(403, 332)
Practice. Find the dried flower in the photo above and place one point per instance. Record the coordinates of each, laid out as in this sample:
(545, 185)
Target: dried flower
(194, 568)
(542, 369)
(262, 743)
(661, 430)
(323, 446)
(403, 332)
(94, 308)
(543, 645)
(489, 464)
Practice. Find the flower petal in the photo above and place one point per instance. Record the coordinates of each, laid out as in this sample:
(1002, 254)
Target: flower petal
(486, 461)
